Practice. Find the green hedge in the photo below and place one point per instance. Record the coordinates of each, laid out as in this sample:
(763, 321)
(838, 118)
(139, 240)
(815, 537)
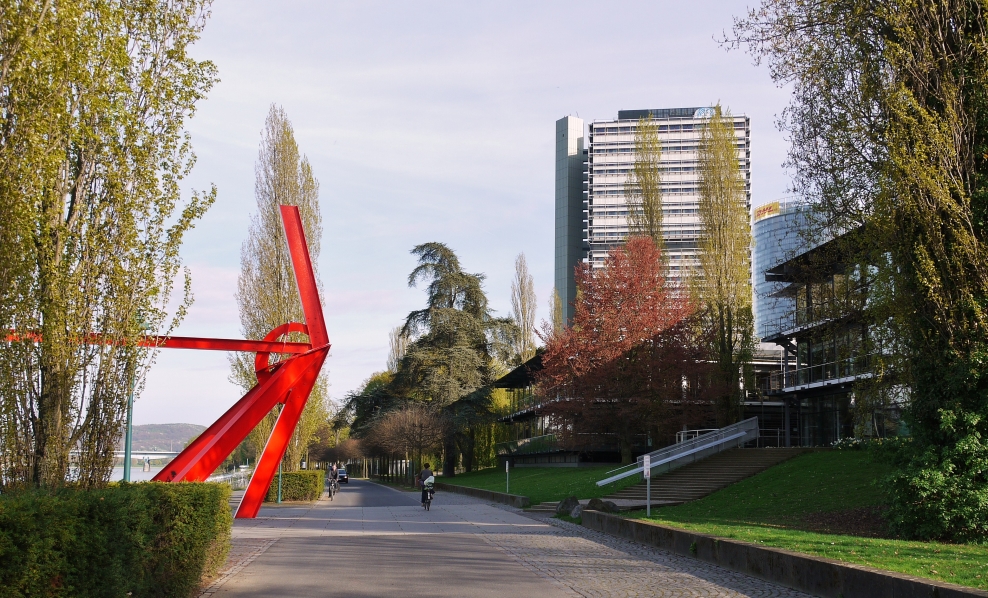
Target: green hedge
(298, 485)
(146, 539)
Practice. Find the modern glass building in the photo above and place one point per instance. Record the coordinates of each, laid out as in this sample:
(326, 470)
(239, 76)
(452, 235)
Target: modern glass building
(602, 162)
(778, 232)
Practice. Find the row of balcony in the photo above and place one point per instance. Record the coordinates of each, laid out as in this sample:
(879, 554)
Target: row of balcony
(808, 317)
(824, 372)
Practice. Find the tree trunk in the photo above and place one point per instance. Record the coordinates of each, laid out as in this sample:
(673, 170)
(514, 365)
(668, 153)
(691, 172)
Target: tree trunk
(625, 450)
(470, 443)
(449, 461)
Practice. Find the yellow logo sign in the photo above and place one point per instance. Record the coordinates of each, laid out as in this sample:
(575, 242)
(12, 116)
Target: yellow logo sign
(767, 210)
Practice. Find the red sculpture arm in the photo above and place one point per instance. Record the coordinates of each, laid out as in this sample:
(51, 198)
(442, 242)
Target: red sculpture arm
(288, 382)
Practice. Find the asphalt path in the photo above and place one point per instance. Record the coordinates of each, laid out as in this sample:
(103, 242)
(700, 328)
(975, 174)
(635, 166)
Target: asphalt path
(374, 540)
(361, 493)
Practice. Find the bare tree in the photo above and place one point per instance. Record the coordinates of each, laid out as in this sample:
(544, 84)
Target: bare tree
(644, 187)
(556, 309)
(523, 303)
(267, 293)
(412, 430)
(398, 345)
(348, 450)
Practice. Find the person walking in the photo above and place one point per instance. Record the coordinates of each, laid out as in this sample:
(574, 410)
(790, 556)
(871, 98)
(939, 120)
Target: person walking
(426, 474)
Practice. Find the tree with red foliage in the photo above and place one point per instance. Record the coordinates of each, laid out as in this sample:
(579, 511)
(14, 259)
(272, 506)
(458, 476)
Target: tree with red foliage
(629, 364)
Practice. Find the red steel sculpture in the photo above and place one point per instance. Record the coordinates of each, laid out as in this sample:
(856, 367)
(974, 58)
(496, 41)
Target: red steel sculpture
(288, 382)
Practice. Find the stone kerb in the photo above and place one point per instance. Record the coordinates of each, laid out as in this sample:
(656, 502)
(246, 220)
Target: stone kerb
(813, 575)
(513, 500)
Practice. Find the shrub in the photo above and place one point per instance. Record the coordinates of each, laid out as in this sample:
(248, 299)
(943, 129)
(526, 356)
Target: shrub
(940, 492)
(147, 539)
(298, 485)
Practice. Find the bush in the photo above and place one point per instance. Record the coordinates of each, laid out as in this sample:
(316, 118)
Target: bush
(940, 492)
(147, 539)
(298, 485)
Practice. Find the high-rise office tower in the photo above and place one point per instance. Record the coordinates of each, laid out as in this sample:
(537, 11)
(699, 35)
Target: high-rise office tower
(611, 159)
(606, 168)
(571, 207)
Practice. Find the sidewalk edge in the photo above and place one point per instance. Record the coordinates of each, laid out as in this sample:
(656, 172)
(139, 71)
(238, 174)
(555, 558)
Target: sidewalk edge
(814, 575)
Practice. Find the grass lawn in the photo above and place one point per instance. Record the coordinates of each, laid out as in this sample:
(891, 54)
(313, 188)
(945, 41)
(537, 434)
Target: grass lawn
(542, 484)
(788, 505)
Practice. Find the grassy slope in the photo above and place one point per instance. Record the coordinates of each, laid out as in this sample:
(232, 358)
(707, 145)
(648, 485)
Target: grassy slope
(768, 509)
(541, 484)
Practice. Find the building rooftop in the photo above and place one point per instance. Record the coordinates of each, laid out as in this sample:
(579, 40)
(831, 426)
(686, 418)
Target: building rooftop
(664, 113)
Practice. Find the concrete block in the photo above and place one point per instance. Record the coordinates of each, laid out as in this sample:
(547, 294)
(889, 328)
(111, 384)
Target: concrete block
(814, 575)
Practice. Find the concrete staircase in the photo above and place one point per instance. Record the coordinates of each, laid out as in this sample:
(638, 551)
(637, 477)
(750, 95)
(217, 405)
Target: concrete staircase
(705, 477)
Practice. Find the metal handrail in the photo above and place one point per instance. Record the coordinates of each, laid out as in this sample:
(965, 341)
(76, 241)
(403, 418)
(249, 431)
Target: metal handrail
(808, 317)
(832, 370)
(738, 433)
(684, 435)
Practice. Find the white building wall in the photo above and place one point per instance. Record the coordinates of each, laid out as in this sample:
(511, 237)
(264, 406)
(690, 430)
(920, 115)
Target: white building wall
(611, 158)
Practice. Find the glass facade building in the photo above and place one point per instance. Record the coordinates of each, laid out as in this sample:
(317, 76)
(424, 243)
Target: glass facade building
(778, 232)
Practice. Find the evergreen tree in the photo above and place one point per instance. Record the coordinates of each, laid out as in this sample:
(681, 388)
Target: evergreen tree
(456, 344)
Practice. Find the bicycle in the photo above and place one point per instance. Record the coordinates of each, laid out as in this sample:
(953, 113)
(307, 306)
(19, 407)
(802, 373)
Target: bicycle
(334, 487)
(429, 493)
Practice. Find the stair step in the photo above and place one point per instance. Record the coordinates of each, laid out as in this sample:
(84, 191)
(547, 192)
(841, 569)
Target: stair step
(702, 478)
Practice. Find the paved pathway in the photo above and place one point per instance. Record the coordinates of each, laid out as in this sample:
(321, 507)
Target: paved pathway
(377, 541)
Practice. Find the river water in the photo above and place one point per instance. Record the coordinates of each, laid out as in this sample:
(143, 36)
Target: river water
(136, 473)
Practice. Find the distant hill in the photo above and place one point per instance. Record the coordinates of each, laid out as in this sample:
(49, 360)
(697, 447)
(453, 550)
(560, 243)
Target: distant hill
(164, 437)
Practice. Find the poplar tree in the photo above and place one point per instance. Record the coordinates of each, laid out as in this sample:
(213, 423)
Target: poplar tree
(397, 347)
(723, 282)
(644, 187)
(523, 302)
(267, 294)
(93, 100)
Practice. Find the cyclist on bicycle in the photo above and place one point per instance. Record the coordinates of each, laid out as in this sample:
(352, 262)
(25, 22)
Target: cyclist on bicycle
(426, 474)
(334, 480)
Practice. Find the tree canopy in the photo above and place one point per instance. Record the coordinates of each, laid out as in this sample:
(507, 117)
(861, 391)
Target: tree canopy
(93, 100)
(630, 363)
(889, 129)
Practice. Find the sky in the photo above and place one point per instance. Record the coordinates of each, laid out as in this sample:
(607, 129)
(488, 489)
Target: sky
(426, 121)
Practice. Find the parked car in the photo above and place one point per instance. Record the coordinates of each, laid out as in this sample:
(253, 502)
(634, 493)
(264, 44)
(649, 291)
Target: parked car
(344, 478)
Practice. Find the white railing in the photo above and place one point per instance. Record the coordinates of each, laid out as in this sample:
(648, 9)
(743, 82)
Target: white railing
(684, 435)
(677, 455)
(237, 479)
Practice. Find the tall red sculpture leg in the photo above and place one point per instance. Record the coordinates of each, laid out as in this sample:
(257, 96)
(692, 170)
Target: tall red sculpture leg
(277, 443)
(289, 382)
(201, 458)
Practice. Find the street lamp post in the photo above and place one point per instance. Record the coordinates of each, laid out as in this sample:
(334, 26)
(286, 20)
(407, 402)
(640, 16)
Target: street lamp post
(129, 440)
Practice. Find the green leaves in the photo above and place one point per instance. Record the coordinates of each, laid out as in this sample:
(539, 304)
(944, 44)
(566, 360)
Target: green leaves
(93, 101)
